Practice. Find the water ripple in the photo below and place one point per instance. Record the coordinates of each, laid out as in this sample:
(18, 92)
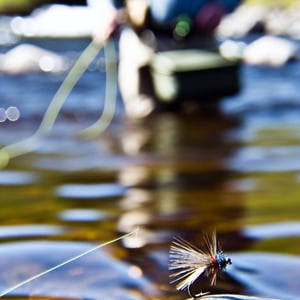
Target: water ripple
(95, 275)
(91, 191)
(273, 230)
(266, 159)
(82, 215)
(272, 275)
(17, 178)
(26, 231)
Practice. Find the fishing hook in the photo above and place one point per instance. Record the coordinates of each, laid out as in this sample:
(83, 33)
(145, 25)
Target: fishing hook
(197, 296)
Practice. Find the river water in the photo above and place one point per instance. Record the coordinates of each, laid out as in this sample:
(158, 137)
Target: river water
(235, 169)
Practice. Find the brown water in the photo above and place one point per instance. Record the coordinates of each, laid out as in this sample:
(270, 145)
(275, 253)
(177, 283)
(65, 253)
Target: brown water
(236, 170)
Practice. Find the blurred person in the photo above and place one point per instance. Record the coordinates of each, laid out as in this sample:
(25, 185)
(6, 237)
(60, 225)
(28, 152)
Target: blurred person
(149, 26)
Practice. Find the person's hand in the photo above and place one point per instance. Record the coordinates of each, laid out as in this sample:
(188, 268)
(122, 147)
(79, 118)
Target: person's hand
(209, 17)
(137, 12)
(106, 21)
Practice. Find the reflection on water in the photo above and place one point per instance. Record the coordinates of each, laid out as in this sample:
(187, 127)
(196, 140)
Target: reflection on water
(273, 230)
(88, 277)
(267, 273)
(17, 177)
(82, 215)
(29, 231)
(90, 191)
(235, 169)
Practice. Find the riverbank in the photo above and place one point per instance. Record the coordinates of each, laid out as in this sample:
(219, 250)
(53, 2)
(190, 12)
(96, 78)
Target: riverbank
(271, 19)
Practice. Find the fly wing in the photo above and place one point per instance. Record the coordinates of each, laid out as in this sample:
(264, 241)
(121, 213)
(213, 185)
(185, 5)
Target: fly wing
(210, 244)
(186, 278)
(188, 263)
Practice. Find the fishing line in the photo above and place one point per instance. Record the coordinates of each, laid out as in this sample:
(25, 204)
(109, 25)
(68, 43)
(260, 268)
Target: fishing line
(66, 262)
(50, 116)
(110, 99)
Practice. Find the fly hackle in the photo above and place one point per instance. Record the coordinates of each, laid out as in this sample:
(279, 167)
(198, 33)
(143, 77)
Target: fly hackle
(188, 263)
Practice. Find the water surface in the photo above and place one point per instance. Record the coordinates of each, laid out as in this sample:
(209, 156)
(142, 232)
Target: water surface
(235, 169)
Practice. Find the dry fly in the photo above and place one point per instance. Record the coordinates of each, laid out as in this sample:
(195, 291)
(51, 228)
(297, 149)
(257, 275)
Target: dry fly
(188, 262)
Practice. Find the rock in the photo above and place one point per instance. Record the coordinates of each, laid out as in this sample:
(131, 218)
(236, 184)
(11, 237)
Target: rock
(57, 21)
(270, 50)
(242, 21)
(271, 19)
(26, 58)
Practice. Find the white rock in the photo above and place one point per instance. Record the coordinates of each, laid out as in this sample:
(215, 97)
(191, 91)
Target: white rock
(57, 21)
(270, 50)
(242, 20)
(27, 58)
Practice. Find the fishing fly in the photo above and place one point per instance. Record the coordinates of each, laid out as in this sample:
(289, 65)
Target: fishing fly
(189, 262)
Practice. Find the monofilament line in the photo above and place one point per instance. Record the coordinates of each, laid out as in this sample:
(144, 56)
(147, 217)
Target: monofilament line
(66, 262)
(31, 143)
